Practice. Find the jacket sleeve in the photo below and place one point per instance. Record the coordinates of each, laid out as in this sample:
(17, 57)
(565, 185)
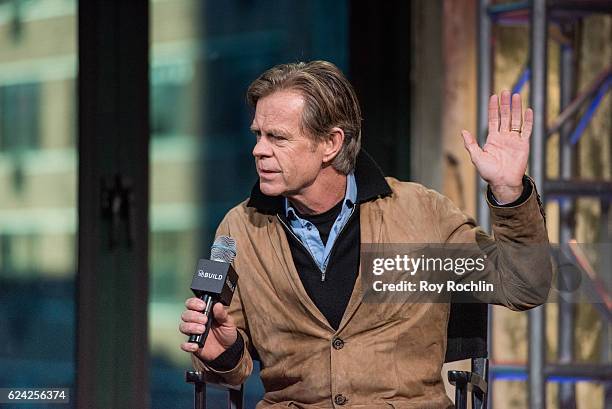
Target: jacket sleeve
(518, 261)
(241, 371)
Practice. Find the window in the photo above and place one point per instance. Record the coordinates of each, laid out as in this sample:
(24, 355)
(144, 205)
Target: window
(37, 194)
(19, 117)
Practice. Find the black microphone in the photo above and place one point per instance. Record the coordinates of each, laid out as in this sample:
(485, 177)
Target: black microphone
(215, 281)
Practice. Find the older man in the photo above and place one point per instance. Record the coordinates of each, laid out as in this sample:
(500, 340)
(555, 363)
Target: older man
(299, 303)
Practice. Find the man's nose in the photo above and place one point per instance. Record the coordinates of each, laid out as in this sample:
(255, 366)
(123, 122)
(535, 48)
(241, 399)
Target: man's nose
(262, 148)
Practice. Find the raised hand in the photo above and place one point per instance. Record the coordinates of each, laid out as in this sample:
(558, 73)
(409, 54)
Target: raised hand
(502, 161)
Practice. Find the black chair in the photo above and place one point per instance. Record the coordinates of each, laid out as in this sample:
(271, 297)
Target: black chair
(466, 339)
(198, 379)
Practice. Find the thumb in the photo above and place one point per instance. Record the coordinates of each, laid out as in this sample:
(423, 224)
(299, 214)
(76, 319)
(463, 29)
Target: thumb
(220, 314)
(471, 145)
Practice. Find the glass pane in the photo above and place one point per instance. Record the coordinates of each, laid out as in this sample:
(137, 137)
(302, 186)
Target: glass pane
(204, 56)
(37, 193)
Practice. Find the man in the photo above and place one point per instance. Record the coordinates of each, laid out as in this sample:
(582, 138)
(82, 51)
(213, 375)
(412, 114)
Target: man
(299, 302)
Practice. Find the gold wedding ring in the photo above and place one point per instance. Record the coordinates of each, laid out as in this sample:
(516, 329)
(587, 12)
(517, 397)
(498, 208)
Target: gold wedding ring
(515, 130)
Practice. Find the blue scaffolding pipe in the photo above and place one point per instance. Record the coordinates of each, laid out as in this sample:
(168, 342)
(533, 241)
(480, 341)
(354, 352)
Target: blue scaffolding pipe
(497, 9)
(522, 80)
(570, 110)
(514, 376)
(588, 115)
(598, 373)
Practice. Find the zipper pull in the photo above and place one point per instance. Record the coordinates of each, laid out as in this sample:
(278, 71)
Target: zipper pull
(322, 275)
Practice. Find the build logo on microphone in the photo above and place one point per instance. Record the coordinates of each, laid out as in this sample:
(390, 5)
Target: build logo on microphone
(203, 274)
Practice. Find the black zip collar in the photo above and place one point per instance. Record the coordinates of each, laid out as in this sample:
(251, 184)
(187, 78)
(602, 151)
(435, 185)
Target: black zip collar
(371, 184)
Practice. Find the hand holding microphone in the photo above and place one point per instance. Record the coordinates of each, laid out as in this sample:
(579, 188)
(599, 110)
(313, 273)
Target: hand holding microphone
(222, 335)
(210, 327)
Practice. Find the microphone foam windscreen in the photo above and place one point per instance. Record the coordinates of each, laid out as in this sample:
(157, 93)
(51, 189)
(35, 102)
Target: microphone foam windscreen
(223, 249)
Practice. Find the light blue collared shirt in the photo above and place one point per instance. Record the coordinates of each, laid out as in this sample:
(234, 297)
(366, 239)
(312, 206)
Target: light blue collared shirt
(308, 234)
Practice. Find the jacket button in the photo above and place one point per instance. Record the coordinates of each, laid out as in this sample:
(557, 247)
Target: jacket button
(340, 399)
(338, 343)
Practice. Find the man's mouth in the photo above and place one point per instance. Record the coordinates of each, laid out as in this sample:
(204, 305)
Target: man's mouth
(268, 171)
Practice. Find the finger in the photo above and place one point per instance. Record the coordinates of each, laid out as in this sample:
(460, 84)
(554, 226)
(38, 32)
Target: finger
(190, 328)
(493, 114)
(189, 346)
(517, 110)
(470, 144)
(527, 124)
(220, 314)
(195, 304)
(504, 110)
(193, 316)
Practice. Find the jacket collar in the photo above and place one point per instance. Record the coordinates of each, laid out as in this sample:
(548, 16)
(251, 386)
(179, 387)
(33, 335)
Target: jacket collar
(371, 184)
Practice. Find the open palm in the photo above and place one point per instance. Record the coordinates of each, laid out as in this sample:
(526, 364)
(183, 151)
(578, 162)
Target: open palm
(502, 161)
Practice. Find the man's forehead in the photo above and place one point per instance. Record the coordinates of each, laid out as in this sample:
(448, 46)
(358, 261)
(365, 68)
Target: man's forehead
(280, 107)
(271, 128)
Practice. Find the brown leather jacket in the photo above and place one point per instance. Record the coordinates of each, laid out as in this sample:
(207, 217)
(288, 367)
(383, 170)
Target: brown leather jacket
(389, 355)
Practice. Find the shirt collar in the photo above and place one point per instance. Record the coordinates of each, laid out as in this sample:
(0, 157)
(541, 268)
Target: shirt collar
(370, 184)
(350, 197)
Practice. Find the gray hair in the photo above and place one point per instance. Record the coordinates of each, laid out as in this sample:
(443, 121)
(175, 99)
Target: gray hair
(329, 101)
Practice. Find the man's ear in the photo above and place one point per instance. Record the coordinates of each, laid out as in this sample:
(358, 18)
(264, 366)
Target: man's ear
(332, 144)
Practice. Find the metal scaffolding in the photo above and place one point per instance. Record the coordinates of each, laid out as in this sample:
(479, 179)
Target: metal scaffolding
(538, 14)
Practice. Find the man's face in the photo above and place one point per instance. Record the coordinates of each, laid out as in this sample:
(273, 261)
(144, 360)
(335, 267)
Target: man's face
(287, 160)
